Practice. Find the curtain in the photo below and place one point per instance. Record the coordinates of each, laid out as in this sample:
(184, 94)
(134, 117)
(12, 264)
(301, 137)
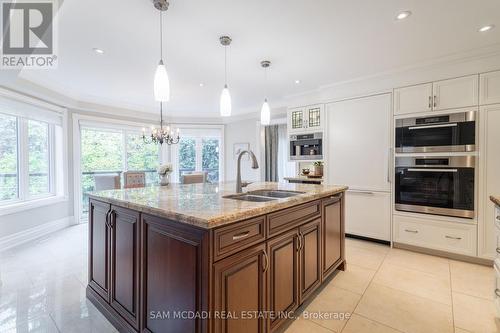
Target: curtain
(285, 168)
(271, 153)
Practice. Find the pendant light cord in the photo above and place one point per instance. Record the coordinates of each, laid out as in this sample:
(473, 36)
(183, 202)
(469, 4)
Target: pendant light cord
(225, 65)
(161, 35)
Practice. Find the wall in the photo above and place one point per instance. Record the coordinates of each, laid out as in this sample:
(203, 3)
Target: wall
(243, 131)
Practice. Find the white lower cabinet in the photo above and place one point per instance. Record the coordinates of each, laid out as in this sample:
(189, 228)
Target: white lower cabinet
(454, 237)
(368, 214)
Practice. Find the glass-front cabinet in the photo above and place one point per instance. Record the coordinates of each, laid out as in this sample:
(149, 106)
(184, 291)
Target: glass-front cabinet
(306, 119)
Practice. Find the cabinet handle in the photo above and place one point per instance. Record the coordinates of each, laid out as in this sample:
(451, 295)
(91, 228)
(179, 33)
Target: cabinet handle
(241, 235)
(430, 102)
(497, 292)
(451, 237)
(498, 250)
(435, 100)
(362, 192)
(108, 217)
(412, 231)
(299, 243)
(266, 257)
(111, 216)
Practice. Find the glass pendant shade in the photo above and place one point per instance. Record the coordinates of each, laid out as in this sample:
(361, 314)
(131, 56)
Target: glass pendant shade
(265, 114)
(161, 83)
(225, 102)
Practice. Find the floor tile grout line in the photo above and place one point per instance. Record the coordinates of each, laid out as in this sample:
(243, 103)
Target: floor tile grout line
(451, 294)
(375, 321)
(474, 296)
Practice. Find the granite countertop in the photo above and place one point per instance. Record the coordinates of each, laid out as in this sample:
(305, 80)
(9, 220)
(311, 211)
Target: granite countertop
(495, 199)
(203, 205)
(303, 178)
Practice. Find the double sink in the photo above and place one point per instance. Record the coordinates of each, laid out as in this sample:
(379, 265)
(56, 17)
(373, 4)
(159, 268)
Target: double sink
(263, 195)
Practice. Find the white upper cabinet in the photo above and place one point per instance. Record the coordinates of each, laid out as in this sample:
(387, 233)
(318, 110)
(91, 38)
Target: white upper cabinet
(440, 95)
(489, 92)
(455, 93)
(358, 143)
(413, 99)
(306, 119)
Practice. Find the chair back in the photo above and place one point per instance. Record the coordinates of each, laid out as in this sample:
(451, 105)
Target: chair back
(134, 179)
(194, 178)
(107, 182)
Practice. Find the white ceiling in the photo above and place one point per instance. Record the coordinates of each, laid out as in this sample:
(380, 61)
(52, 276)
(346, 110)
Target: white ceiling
(317, 41)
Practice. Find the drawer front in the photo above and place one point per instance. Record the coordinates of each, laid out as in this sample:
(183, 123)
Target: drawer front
(292, 217)
(236, 237)
(444, 236)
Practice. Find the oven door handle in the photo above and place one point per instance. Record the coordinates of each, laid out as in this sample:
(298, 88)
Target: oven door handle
(433, 170)
(432, 126)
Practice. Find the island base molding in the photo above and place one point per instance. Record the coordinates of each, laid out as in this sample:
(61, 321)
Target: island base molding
(151, 274)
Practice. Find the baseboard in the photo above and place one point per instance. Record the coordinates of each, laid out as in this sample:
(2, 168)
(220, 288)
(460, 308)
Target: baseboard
(31, 234)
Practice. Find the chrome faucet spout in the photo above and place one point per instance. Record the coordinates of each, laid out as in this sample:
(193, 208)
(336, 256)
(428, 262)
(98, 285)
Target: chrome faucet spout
(255, 165)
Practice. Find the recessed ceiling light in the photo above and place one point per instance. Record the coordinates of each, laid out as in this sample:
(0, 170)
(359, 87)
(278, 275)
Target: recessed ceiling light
(403, 15)
(202, 84)
(297, 81)
(486, 28)
(98, 51)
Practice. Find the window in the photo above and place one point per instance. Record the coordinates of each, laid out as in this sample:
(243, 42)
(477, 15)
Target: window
(111, 151)
(31, 165)
(199, 150)
(9, 180)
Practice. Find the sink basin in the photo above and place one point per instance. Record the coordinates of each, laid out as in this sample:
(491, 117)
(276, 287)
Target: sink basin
(275, 193)
(249, 197)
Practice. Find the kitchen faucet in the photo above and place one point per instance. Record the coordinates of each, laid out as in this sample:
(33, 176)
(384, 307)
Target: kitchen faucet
(255, 165)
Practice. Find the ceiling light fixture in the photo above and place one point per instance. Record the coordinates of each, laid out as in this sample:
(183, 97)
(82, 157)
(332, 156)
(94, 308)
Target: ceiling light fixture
(161, 134)
(265, 112)
(225, 96)
(161, 81)
(98, 50)
(403, 15)
(202, 84)
(297, 81)
(486, 28)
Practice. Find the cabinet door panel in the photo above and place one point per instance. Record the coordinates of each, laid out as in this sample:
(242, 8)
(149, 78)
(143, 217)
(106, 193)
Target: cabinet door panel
(456, 93)
(413, 99)
(310, 258)
(99, 248)
(358, 143)
(283, 275)
(240, 286)
(489, 167)
(173, 275)
(125, 263)
(332, 232)
(489, 89)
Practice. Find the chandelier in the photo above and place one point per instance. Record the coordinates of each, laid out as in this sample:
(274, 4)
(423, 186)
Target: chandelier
(161, 91)
(162, 134)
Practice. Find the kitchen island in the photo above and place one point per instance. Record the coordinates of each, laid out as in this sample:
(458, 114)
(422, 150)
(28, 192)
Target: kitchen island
(188, 258)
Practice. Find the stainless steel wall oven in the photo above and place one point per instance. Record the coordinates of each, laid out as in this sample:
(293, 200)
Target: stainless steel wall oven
(454, 132)
(440, 185)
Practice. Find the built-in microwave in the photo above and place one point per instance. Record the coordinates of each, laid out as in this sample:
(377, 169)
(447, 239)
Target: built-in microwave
(439, 185)
(306, 146)
(454, 132)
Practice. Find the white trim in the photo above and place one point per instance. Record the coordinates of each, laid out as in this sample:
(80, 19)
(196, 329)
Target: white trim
(20, 206)
(31, 234)
(30, 100)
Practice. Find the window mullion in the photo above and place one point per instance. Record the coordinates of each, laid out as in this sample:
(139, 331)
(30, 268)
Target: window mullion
(199, 164)
(125, 158)
(52, 161)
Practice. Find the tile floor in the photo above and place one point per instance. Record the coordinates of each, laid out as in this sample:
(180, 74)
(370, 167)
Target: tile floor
(383, 291)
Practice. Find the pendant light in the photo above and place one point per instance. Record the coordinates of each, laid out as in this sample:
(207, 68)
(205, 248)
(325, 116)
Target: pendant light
(225, 96)
(161, 81)
(265, 112)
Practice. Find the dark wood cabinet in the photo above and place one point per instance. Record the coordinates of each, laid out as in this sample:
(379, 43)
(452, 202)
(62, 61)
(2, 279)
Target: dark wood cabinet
(150, 274)
(125, 255)
(283, 276)
(99, 256)
(310, 258)
(240, 288)
(175, 276)
(332, 234)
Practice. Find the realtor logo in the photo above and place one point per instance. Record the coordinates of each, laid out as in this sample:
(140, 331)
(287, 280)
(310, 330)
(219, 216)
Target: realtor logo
(28, 34)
